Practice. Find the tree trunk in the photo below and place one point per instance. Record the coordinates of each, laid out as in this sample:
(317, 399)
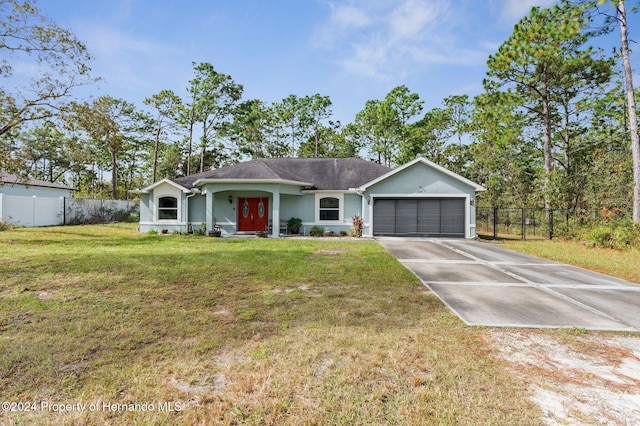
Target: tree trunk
(631, 106)
(566, 136)
(204, 147)
(570, 188)
(132, 173)
(155, 153)
(114, 175)
(203, 151)
(190, 147)
(546, 117)
(293, 138)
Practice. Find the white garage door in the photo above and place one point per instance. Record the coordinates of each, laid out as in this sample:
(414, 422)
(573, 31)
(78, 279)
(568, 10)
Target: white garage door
(420, 217)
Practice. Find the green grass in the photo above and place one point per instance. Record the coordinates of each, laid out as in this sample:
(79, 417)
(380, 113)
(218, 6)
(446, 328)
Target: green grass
(619, 263)
(252, 331)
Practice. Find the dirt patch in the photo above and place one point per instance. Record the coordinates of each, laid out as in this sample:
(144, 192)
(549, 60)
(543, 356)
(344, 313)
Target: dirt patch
(332, 252)
(46, 295)
(590, 379)
(229, 360)
(222, 311)
(324, 253)
(188, 388)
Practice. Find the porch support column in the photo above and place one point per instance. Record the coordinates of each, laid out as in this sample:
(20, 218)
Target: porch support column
(209, 210)
(275, 215)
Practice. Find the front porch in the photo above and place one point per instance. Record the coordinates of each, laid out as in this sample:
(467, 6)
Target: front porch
(242, 209)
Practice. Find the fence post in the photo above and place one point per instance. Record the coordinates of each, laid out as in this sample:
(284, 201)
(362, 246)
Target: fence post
(523, 224)
(33, 212)
(551, 224)
(64, 211)
(495, 223)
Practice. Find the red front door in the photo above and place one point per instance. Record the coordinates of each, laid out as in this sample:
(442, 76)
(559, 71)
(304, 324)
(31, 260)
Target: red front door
(253, 214)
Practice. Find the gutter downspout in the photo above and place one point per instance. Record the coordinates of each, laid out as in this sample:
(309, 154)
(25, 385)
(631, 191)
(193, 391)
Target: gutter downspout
(193, 192)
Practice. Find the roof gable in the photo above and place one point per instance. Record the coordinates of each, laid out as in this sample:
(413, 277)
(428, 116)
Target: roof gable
(427, 163)
(146, 189)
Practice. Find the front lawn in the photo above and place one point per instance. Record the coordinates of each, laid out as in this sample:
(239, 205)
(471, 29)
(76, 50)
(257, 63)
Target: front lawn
(619, 263)
(99, 324)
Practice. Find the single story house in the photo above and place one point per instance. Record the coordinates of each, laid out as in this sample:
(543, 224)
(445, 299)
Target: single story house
(419, 198)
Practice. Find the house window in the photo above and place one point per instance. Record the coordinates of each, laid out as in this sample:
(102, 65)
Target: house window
(167, 208)
(329, 208)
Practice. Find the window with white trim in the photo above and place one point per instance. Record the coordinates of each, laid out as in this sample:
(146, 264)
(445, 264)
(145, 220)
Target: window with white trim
(329, 209)
(167, 208)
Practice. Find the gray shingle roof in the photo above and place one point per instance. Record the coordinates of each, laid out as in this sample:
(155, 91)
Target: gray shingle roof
(9, 179)
(323, 173)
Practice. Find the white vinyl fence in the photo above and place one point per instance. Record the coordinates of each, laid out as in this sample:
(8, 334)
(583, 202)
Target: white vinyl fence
(31, 211)
(45, 211)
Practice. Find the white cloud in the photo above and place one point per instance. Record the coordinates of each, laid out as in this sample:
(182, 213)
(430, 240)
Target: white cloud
(348, 16)
(514, 10)
(109, 41)
(119, 54)
(344, 19)
(412, 17)
(382, 40)
(368, 60)
(26, 69)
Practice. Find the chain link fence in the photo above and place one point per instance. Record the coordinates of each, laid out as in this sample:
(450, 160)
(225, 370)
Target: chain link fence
(78, 211)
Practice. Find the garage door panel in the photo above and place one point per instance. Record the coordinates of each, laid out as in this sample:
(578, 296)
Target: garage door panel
(406, 217)
(452, 217)
(384, 217)
(425, 217)
(428, 217)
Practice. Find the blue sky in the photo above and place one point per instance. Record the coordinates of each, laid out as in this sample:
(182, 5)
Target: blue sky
(350, 50)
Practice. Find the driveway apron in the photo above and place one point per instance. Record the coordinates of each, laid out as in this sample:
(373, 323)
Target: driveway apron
(490, 286)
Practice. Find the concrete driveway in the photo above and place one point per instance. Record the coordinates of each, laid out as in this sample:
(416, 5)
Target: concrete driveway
(488, 285)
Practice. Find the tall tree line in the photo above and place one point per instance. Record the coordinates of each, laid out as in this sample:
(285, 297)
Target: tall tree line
(554, 126)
